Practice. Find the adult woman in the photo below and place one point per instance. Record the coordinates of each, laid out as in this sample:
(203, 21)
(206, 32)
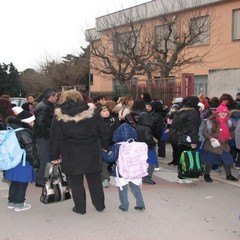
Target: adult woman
(75, 135)
(127, 103)
(184, 129)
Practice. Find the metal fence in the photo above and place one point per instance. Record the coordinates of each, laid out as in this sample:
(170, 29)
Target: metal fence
(165, 89)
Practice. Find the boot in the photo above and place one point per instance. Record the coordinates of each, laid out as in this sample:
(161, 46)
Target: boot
(207, 178)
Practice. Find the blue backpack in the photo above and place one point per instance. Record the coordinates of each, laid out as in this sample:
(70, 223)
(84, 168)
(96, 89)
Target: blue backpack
(11, 153)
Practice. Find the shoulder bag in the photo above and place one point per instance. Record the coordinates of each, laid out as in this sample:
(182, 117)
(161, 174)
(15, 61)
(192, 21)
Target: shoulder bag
(56, 188)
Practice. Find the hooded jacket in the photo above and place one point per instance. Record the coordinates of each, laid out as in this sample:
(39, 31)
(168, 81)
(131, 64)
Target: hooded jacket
(76, 132)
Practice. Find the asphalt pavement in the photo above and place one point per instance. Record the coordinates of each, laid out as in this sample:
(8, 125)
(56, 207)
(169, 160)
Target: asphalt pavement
(193, 211)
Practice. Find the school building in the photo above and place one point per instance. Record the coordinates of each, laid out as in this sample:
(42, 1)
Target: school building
(198, 41)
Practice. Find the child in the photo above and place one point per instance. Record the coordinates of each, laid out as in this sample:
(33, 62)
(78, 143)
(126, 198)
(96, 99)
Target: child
(145, 134)
(216, 132)
(112, 124)
(21, 175)
(123, 133)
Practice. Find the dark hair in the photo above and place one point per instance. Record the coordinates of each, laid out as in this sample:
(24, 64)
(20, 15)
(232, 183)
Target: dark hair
(31, 95)
(146, 97)
(226, 96)
(48, 92)
(5, 109)
(138, 104)
(97, 98)
(191, 101)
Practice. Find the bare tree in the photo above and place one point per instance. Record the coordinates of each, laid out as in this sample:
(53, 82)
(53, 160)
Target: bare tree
(132, 45)
(181, 39)
(72, 70)
(120, 52)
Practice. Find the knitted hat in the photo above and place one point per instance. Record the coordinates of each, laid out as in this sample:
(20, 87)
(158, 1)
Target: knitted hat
(101, 107)
(222, 108)
(17, 110)
(26, 116)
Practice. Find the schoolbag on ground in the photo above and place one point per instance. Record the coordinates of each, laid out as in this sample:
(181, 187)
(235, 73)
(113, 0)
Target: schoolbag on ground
(190, 165)
(132, 159)
(11, 153)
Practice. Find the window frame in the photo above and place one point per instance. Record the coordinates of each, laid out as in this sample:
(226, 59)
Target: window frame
(206, 37)
(237, 24)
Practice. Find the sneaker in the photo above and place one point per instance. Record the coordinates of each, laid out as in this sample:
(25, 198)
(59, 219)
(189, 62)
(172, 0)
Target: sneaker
(139, 208)
(184, 180)
(11, 205)
(122, 209)
(105, 183)
(218, 170)
(156, 169)
(149, 181)
(231, 178)
(22, 207)
(237, 166)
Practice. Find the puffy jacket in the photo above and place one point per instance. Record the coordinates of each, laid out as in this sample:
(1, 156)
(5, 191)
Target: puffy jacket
(43, 112)
(186, 122)
(26, 140)
(144, 129)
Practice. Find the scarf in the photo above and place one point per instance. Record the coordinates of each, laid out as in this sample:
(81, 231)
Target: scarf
(224, 129)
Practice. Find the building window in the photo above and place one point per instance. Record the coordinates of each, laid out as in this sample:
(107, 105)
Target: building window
(199, 30)
(125, 43)
(165, 36)
(236, 24)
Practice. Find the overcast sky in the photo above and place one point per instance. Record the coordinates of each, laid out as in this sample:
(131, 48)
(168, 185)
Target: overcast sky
(35, 30)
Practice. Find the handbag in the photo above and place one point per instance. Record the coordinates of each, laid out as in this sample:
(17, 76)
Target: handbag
(56, 188)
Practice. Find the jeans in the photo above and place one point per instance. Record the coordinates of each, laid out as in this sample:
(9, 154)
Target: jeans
(17, 192)
(43, 152)
(150, 171)
(136, 191)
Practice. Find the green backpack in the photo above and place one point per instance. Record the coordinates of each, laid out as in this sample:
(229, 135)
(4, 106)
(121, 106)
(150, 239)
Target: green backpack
(190, 165)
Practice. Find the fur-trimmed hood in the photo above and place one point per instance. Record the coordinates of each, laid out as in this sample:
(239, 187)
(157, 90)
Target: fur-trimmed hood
(74, 111)
(186, 108)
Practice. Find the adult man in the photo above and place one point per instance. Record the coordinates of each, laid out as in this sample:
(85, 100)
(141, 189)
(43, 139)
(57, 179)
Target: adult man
(30, 99)
(44, 113)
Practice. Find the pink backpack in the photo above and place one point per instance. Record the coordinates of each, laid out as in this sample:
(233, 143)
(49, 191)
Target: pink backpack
(132, 159)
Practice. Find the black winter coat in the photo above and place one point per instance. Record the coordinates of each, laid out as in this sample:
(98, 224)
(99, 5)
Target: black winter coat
(76, 134)
(43, 112)
(26, 140)
(144, 129)
(186, 123)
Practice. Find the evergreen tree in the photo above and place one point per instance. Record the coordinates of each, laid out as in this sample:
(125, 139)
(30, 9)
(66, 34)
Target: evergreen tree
(9, 80)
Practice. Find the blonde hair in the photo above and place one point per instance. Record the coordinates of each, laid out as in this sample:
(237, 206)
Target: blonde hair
(111, 104)
(71, 95)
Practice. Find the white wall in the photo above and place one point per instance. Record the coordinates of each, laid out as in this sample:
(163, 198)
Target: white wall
(223, 81)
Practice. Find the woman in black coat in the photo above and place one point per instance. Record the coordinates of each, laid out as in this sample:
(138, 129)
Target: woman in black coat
(76, 133)
(185, 128)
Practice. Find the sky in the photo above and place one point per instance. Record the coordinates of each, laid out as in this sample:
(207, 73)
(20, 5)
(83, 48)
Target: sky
(34, 31)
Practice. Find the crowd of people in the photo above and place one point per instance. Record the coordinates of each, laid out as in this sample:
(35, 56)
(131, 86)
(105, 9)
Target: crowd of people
(71, 129)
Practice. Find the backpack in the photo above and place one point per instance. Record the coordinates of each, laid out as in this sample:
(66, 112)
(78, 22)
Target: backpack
(190, 165)
(132, 159)
(11, 153)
